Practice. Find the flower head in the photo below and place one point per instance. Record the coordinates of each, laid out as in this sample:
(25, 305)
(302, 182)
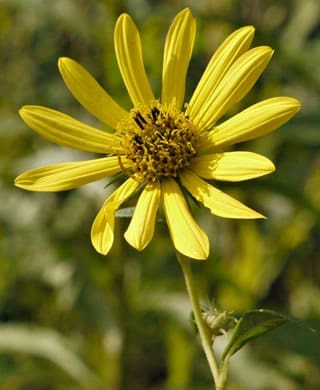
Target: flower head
(163, 146)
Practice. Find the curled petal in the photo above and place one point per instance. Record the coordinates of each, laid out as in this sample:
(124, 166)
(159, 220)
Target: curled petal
(177, 54)
(187, 236)
(89, 92)
(65, 176)
(255, 121)
(129, 56)
(64, 130)
(141, 227)
(217, 201)
(231, 166)
(102, 231)
(236, 83)
(236, 44)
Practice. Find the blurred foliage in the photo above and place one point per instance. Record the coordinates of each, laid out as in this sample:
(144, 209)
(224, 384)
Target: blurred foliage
(71, 318)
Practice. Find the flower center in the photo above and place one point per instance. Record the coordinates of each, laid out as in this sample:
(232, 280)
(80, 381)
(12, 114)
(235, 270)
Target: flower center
(158, 141)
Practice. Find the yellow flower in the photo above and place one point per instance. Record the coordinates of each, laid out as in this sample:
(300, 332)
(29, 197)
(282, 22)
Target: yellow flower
(162, 146)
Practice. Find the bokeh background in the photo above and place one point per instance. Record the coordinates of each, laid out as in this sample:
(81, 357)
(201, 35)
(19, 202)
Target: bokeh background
(72, 319)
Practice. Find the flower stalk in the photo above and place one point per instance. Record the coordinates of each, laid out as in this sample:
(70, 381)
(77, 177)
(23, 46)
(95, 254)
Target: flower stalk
(204, 333)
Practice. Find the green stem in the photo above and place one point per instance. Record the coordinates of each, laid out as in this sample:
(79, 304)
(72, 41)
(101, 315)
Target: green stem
(221, 385)
(203, 331)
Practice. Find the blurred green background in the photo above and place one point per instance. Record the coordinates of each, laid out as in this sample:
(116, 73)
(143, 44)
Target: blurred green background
(73, 319)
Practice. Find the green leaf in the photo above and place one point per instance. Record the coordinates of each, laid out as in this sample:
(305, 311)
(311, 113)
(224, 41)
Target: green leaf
(251, 325)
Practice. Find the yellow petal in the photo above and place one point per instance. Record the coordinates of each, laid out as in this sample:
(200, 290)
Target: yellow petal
(177, 54)
(89, 92)
(255, 121)
(233, 87)
(235, 45)
(102, 231)
(188, 238)
(217, 201)
(129, 56)
(141, 227)
(231, 166)
(64, 176)
(64, 130)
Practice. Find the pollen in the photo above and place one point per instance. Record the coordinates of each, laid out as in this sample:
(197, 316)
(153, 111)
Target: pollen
(158, 142)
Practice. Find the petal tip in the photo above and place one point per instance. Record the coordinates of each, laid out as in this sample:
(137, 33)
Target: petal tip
(185, 11)
(248, 30)
(25, 112)
(193, 256)
(203, 256)
(258, 215)
(296, 104)
(123, 19)
(22, 111)
(100, 250)
(264, 51)
(200, 254)
(124, 15)
(17, 183)
(62, 61)
(269, 166)
(101, 247)
(137, 244)
(269, 51)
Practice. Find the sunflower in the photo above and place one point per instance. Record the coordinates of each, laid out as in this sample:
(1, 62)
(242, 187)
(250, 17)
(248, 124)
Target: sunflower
(163, 147)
